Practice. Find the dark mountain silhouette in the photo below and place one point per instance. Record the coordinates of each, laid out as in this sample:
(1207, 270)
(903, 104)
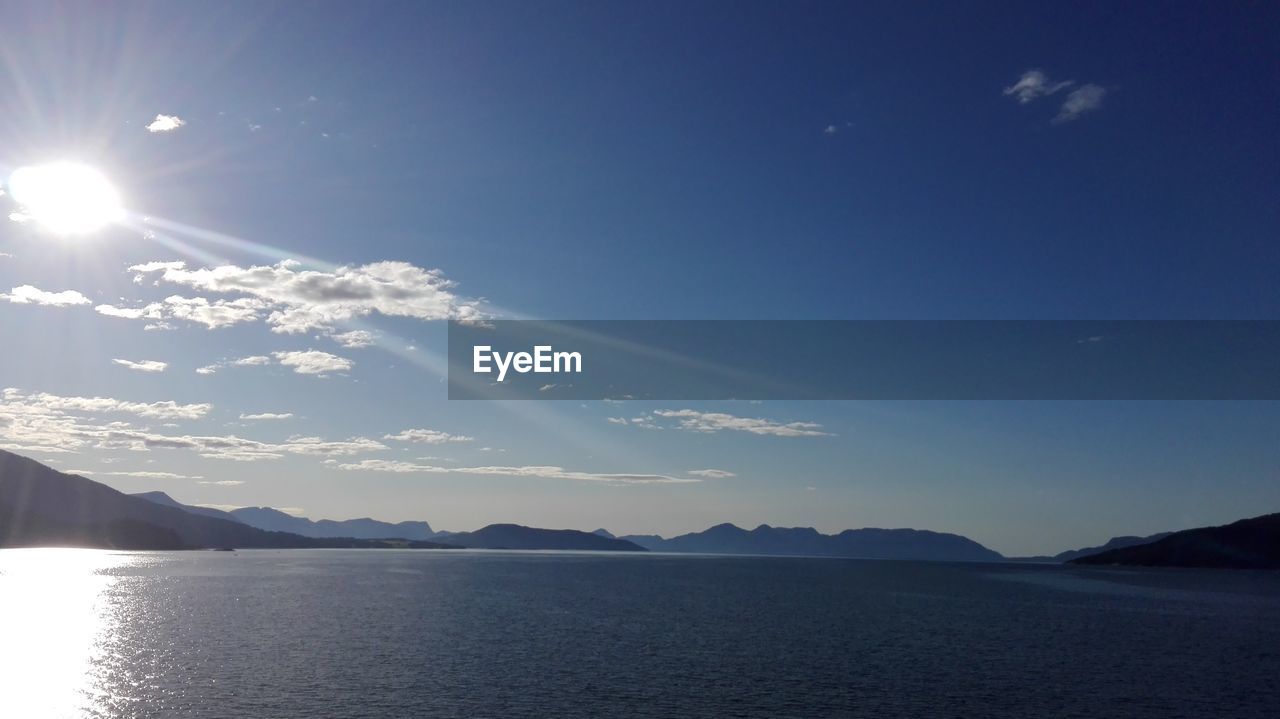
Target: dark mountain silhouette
(604, 533)
(514, 536)
(166, 500)
(651, 542)
(1246, 544)
(40, 506)
(806, 541)
(24, 529)
(1113, 543)
(363, 528)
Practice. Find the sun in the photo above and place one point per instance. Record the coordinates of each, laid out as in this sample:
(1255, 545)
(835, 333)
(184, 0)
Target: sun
(66, 198)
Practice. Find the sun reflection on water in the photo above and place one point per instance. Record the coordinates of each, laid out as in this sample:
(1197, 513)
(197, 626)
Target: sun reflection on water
(55, 618)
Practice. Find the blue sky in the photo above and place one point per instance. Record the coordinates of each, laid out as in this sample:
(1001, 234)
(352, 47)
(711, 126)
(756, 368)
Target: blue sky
(614, 161)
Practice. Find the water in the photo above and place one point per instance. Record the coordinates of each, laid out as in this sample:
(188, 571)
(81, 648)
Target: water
(337, 634)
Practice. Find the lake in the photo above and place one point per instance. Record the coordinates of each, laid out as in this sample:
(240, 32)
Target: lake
(369, 633)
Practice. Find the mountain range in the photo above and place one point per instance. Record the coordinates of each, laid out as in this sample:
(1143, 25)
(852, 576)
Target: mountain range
(1247, 544)
(1113, 543)
(806, 541)
(40, 506)
(494, 536)
(276, 521)
(514, 536)
(720, 539)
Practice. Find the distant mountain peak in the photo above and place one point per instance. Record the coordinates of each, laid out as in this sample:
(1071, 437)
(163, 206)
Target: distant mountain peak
(871, 543)
(515, 536)
(40, 506)
(157, 496)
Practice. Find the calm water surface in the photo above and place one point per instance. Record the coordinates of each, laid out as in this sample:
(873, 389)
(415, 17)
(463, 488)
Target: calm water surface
(315, 633)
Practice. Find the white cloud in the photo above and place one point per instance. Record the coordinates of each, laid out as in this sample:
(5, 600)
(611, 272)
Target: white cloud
(830, 129)
(643, 421)
(214, 315)
(1085, 99)
(544, 472)
(313, 362)
(267, 415)
(251, 361)
(28, 295)
(157, 266)
(428, 436)
(296, 300)
(386, 465)
(223, 483)
(710, 473)
(316, 447)
(122, 312)
(696, 421)
(143, 474)
(165, 123)
(167, 409)
(46, 423)
(143, 365)
(355, 339)
(1035, 84)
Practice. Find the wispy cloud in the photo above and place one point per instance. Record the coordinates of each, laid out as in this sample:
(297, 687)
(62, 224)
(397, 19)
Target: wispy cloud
(167, 409)
(428, 436)
(1085, 99)
(165, 123)
(28, 295)
(313, 362)
(48, 423)
(144, 474)
(143, 365)
(253, 361)
(695, 421)
(214, 315)
(156, 266)
(710, 473)
(544, 472)
(267, 416)
(293, 300)
(1035, 84)
(644, 421)
(223, 482)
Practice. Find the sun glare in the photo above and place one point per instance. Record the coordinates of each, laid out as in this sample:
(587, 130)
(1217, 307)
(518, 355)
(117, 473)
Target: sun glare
(66, 198)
